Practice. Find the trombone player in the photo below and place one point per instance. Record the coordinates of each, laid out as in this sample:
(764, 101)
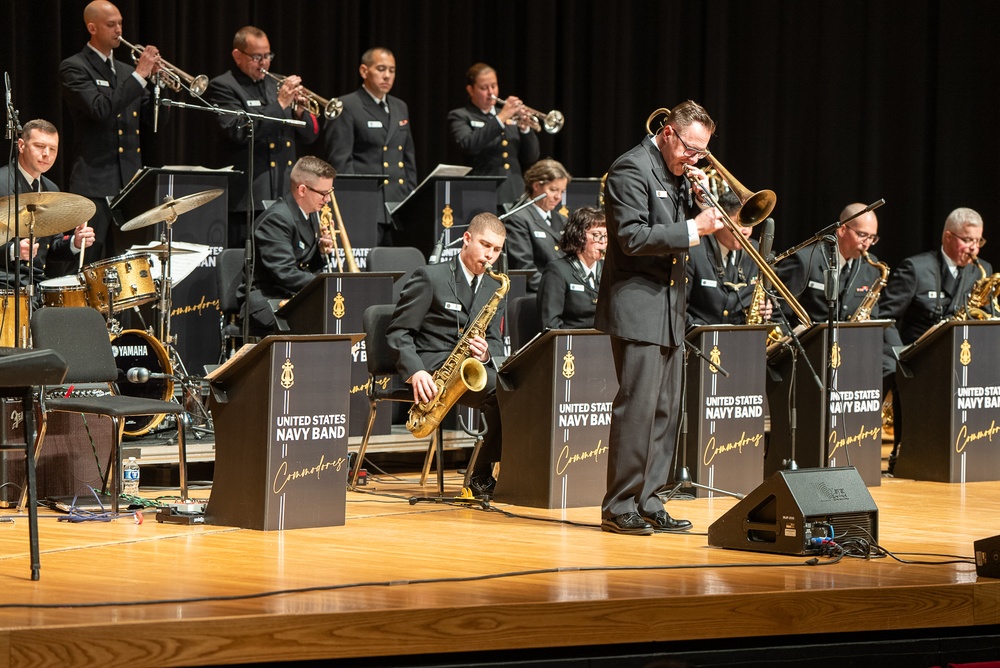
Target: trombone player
(246, 87)
(652, 222)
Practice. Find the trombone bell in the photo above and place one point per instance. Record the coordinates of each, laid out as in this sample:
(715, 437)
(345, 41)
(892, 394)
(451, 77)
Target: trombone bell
(755, 206)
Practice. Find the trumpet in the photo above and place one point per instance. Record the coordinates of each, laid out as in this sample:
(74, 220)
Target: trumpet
(552, 122)
(171, 76)
(331, 108)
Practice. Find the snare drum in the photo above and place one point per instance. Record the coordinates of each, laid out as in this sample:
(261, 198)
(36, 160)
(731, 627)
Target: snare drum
(7, 317)
(134, 276)
(64, 291)
(135, 348)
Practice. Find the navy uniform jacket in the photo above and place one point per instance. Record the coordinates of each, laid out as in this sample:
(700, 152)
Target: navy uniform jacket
(287, 253)
(533, 243)
(710, 301)
(362, 140)
(802, 274)
(493, 150)
(565, 298)
(435, 306)
(274, 143)
(55, 247)
(915, 298)
(642, 296)
(106, 111)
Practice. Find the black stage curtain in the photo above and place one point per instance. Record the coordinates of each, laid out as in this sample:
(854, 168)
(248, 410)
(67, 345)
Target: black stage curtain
(824, 102)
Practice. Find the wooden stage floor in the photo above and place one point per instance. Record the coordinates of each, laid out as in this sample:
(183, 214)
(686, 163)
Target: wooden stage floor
(404, 580)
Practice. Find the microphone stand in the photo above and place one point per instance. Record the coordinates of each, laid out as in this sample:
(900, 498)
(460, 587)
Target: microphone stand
(13, 131)
(248, 250)
(682, 479)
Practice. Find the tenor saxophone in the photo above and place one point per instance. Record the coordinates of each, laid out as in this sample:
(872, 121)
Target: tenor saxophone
(864, 310)
(459, 372)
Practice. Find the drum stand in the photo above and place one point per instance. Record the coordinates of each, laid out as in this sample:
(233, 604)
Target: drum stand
(191, 387)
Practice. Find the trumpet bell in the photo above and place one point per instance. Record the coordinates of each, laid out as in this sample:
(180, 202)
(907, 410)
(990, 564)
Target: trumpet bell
(199, 85)
(553, 121)
(333, 108)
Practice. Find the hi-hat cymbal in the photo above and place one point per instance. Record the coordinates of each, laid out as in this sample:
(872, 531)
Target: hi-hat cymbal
(52, 212)
(168, 211)
(162, 249)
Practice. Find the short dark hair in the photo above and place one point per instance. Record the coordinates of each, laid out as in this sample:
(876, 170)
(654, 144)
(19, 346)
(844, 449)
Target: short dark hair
(686, 113)
(240, 40)
(473, 72)
(581, 221)
(39, 124)
(543, 171)
(368, 57)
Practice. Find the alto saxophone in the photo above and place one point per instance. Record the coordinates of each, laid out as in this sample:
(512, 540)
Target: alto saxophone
(459, 372)
(864, 311)
(983, 293)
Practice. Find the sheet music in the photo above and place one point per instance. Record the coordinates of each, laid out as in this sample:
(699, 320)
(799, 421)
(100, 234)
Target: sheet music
(182, 263)
(441, 171)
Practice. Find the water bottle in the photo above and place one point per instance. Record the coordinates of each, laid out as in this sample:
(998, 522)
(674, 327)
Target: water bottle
(130, 477)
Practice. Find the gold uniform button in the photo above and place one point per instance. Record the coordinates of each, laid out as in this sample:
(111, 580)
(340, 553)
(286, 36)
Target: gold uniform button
(725, 311)
(137, 131)
(675, 260)
(119, 115)
(288, 144)
(557, 246)
(135, 114)
(503, 143)
(385, 164)
(671, 282)
(400, 164)
(120, 133)
(138, 150)
(272, 163)
(121, 149)
(289, 163)
(506, 165)
(386, 182)
(504, 155)
(271, 145)
(385, 148)
(401, 182)
(399, 148)
(685, 280)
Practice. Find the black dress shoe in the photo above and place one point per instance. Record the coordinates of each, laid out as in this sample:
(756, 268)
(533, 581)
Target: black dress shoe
(662, 521)
(627, 523)
(483, 485)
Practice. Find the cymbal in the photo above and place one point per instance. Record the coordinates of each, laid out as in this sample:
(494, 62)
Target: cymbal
(161, 249)
(168, 211)
(54, 213)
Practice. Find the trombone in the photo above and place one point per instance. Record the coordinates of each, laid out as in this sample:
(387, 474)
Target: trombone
(552, 122)
(754, 209)
(331, 108)
(172, 76)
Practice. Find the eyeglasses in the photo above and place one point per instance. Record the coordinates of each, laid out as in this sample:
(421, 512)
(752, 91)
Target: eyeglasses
(863, 236)
(688, 151)
(257, 57)
(598, 236)
(324, 193)
(968, 241)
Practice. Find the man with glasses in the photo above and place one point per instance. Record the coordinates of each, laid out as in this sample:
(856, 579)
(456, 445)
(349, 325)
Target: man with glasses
(929, 287)
(246, 87)
(803, 273)
(652, 222)
(289, 247)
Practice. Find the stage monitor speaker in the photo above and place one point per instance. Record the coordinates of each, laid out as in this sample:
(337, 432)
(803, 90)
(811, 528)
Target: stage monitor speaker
(792, 508)
(988, 557)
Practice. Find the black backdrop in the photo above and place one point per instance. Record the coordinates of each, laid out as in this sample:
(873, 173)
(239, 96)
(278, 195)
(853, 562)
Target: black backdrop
(825, 102)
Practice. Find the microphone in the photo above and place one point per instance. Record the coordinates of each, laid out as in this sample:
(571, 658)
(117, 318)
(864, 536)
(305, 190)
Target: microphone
(766, 242)
(156, 101)
(435, 256)
(521, 206)
(139, 374)
(10, 105)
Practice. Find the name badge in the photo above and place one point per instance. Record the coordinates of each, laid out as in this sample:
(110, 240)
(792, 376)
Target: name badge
(253, 103)
(452, 306)
(374, 124)
(709, 283)
(477, 124)
(539, 234)
(575, 287)
(933, 294)
(816, 285)
(102, 82)
(662, 194)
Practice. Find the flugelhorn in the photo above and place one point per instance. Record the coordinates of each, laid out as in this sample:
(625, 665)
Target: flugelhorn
(172, 76)
(551, 122)
(331, 108)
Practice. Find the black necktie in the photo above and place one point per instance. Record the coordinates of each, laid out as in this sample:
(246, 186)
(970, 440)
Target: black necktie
(731, 272)
(948, 282)
(475, 284)
(385, 107)
(34, 186)
(845, 273)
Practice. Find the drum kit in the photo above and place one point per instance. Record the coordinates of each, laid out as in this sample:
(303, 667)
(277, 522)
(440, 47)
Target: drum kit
(112, 286)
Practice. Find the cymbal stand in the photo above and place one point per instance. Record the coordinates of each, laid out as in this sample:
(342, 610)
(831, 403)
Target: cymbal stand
(482, 502)
(682, 478)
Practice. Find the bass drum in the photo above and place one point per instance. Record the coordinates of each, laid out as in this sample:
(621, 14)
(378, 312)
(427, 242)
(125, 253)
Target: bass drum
(135, 348)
